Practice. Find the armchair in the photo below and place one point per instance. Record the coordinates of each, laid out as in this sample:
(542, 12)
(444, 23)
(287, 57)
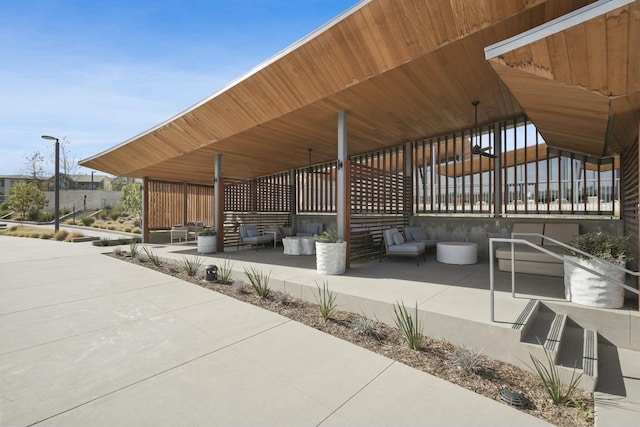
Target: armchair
(249, 235)
(394, 244)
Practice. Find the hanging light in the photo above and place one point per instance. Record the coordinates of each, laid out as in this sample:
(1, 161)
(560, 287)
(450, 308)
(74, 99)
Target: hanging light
(476, 148)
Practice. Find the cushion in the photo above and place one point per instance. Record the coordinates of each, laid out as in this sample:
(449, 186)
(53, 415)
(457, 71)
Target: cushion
(419, 233)
(252, 232)
(527, 253)
(529, 228)
(397, 238)
(561, 232)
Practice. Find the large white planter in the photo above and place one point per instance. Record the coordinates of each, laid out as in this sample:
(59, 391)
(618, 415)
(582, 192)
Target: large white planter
(588, 289)
(207, 244)
(331, 258)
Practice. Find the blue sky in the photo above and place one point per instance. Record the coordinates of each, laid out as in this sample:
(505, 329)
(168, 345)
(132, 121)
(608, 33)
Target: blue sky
(99, 72)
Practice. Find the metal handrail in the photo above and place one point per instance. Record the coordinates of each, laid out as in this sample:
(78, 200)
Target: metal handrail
(513, 241)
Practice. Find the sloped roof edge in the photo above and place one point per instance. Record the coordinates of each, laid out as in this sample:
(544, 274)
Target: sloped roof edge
(315, 33)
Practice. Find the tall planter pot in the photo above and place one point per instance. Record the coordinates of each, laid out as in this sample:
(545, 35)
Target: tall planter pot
(331, 258)
(585, 288)
(207, 244)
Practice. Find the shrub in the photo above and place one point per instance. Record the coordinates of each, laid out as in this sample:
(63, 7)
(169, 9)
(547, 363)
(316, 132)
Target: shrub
(366, 327)
(282, 297)
(326, 300)
(410, 328)
(73, 235)
(191, 265)
(88, 220)
(238, 287)
(137, 222)
(549, 375)
(34, 214)
(611, 248)
(136, 230)
(467, 359)
(259, 281)
(114, 215)
(61, 235)
(328, 236)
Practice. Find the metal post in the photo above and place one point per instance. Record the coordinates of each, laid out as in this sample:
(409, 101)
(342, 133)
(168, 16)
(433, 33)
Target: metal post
(56, 213)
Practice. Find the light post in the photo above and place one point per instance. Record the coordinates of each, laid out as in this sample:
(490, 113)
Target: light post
(56, 212)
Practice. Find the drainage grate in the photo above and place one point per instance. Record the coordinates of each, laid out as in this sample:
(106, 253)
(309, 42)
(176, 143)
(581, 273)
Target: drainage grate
(513, 398)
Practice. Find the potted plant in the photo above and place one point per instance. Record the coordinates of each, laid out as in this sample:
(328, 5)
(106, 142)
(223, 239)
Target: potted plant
(585, 288)
(331, 253)
(207, 240)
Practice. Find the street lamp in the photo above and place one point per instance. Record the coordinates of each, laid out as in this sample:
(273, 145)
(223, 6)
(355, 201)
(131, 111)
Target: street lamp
(56, 212)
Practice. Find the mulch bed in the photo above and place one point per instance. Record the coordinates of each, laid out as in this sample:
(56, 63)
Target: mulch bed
(436, 357)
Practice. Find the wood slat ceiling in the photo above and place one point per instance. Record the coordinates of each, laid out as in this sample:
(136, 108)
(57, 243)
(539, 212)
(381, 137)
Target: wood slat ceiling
(402, 69)
(581, 86)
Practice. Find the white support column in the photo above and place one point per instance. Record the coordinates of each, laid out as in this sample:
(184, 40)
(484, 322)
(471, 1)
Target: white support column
(218, 210)
(341, 207)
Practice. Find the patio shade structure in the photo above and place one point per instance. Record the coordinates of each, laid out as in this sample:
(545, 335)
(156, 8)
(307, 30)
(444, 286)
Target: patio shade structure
(406, 70)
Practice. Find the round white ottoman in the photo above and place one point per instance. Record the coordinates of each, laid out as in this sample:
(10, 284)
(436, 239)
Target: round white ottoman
(457, 252)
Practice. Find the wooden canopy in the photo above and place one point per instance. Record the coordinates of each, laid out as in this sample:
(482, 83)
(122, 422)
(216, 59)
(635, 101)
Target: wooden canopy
(404, 70)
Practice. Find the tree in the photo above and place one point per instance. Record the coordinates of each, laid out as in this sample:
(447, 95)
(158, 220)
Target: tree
(131, 198)
(68, 164)
(33, 165)
(26, 196)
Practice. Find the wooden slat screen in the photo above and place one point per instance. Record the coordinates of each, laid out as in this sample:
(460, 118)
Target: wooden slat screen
(166, 204)
(233, 221)
(379, 200)
(265, 194)
(200, 204)
(316, 188)
(630, 200)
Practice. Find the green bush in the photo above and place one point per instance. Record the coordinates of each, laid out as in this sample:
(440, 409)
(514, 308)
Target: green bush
(88, 220)
(326, 300)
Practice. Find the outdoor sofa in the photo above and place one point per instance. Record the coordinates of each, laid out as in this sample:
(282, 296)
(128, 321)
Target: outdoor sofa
(532, 261)
(396, 245)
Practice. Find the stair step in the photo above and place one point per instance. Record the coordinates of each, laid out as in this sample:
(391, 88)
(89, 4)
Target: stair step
(539, 327)
(552, 342)
(590, 353)
(525, 321)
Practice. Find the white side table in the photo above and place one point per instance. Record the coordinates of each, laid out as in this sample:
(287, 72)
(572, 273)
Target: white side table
(457, 252)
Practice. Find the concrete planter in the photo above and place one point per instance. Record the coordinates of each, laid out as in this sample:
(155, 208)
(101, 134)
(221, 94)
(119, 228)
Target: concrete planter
(331, 258)
(207, 244)
(585, 288)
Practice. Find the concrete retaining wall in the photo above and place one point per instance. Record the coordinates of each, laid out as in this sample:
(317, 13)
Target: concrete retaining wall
(96, 199)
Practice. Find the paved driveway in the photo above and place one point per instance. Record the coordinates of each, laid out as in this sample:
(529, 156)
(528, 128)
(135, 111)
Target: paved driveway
(87, 340)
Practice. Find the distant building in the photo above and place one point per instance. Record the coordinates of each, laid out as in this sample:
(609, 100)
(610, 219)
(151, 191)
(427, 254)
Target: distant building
(8, 181)
(82, 182)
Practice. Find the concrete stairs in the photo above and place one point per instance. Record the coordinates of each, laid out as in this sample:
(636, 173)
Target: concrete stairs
(610, 371)
(573, 348)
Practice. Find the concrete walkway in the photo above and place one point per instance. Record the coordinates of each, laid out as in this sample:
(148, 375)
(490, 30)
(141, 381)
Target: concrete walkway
(87, 340)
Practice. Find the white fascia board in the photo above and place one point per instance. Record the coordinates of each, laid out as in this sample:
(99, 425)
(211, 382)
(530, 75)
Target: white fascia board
(555, 26)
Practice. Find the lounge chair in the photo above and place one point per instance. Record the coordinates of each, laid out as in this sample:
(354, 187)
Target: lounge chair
(395, 244)
(249, 235)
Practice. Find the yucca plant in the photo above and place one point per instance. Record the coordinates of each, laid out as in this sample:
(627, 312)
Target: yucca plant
(326, 300)
(224, 271)
(153, 257)
(549, 375)
(259, 281)
(191, 265)
(133, 249)
(410, 326)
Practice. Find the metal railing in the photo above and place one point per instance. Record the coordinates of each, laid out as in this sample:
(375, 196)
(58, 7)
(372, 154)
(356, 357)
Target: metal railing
(514, 241)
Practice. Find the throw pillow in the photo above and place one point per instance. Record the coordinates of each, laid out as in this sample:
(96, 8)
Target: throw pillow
(252, 232)
(397, 238)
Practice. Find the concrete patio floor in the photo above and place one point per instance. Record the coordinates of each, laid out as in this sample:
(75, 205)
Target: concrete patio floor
(86, 339)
